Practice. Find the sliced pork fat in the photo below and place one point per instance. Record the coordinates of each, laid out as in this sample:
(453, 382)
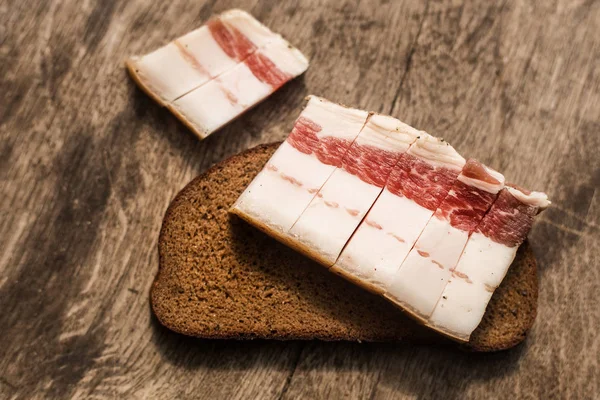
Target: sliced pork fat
(224, 98)
(416, 186)
(201, 55)
(485, 261)
(238, 58)
(279, 194)
(394, 210)
(419, 282)
(340, 205)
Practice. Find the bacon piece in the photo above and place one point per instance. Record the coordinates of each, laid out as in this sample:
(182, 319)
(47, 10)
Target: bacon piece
(201, 55)
(357, 181)
(419, 282)
(416, 186)
(216, 103)
(213, 74)
(278, 204)
(485, 260)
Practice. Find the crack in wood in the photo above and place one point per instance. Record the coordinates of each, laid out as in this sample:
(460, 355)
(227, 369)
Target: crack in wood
(408, 63)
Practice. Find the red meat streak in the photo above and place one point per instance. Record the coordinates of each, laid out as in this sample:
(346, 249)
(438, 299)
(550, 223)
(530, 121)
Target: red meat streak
(373, 224)
(508, 222)
(266, 71)
(232, 41)
(352, 212)
(370, 164)
(461, 275)
(191, 59)
(465, 205)
(329, 150)
(476, 170)
(240, 48)
(420, 181)
(398, 238)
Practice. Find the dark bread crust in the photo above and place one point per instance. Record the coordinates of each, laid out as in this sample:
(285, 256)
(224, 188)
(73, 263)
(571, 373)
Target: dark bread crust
(221, 278)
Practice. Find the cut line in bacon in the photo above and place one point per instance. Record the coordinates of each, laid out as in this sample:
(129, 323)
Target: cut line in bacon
(281, 192)
(353, 187)
(419, 282)
(485, 261)
(408, 219)
(239, 59)
(416, 186)
(216, 103)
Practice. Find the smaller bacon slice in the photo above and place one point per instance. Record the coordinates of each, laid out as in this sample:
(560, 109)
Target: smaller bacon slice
(416, 186)
(211, 75)
(279, 194)
(485, 261)
(333, 215)
(418, 284)
(201, 55)
(219, 101)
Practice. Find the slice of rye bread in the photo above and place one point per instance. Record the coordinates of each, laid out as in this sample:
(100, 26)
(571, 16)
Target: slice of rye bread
(221, 278)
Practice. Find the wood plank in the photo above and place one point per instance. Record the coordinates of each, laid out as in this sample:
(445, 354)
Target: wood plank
(88, 165)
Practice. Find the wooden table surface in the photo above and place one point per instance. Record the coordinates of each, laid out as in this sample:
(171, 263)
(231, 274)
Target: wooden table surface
(89, 164)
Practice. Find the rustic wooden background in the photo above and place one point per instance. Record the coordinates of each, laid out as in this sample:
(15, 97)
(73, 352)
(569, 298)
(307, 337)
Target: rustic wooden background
(89, 164)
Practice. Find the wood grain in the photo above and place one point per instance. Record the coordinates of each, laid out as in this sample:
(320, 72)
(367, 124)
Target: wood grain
(88, 165)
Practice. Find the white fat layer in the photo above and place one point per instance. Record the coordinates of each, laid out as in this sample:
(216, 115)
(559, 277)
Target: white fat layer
(168, 73)
(375, 254)
(209, 107)
(462, 304)
(437, 152)
(485, 186)
(326, 225)
(246, 87)
(387, 133)
(273, 201)
(287, 58)
(536, 199)
(461, 307)
(486, 261)
(276, 201)
(335, 120)
(249, 26)
(420, 282)
(203, 47)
